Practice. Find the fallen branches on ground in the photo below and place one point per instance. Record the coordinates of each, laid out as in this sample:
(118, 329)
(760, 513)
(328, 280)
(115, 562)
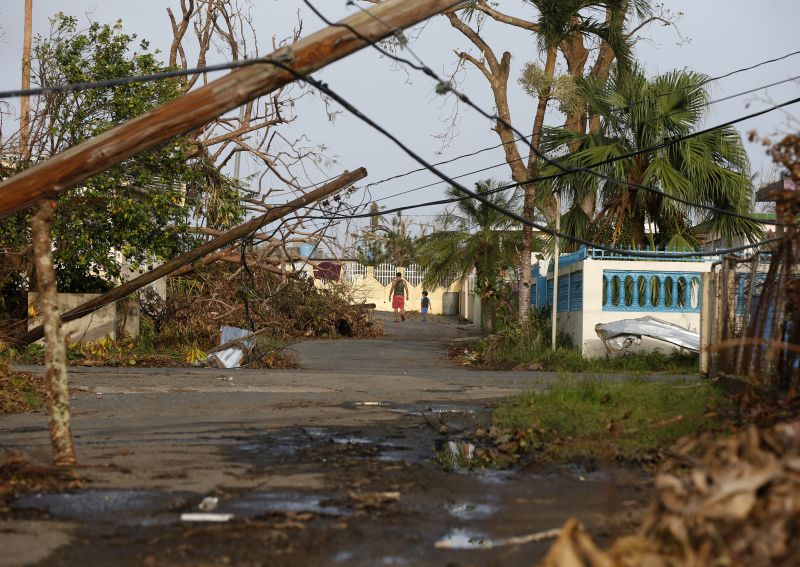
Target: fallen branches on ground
(20, 391)
(737, 505)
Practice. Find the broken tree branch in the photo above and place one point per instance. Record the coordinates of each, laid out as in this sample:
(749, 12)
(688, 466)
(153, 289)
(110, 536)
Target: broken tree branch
(240, 231)
(200, 106)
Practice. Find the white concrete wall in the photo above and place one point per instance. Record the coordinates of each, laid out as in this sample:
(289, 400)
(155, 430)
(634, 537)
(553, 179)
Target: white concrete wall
(593, 312)
(367, 289)
(114, 320)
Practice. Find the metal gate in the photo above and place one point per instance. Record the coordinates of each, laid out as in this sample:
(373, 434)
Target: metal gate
(755, 317)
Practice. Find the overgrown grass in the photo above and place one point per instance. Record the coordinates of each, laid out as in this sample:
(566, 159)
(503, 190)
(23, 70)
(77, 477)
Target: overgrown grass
(630, 419)
(528, 344)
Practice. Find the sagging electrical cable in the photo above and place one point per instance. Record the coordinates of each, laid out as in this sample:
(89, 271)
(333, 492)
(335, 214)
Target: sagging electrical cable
(444, 87)
(324, 88)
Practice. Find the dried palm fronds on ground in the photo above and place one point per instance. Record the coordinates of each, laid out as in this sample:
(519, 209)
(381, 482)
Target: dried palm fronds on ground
(737, 505)
(20, 391)
(19, 476)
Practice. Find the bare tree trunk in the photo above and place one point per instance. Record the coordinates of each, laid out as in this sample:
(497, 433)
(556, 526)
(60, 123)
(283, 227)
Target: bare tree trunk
(529, 203)
(54, 354)
(24, 103)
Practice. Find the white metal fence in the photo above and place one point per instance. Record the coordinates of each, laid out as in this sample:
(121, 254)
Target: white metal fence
(385, 273)
(414, 274)
(354, 272)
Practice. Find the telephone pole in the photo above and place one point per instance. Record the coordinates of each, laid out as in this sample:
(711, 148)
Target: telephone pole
(24, 105)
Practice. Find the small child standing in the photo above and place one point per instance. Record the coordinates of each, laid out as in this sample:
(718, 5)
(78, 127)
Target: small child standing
(426, 303)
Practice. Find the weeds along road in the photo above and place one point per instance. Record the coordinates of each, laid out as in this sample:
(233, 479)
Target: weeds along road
(329, 464)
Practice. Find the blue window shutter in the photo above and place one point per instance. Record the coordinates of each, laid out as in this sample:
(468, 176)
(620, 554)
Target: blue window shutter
(576, 291)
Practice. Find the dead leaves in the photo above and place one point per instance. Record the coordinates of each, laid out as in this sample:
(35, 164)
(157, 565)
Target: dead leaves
(738, 505)
(19, 476)
(741, 503)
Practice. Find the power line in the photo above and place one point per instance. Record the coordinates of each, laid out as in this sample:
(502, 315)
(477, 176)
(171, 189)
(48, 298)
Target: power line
(72, 87)
(443, 87)
(511, 214)
(423, 68)
(507, 162)
(568, 170)
(108, 83)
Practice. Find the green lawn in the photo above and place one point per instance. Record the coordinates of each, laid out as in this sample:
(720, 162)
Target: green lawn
(630, 419)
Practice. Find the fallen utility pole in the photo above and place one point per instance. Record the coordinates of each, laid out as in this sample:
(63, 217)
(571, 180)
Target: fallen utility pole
(240, 231)
(198, 107)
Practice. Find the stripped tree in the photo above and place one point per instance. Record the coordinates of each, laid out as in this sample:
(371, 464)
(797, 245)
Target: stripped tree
(587, 36)
(55, 356)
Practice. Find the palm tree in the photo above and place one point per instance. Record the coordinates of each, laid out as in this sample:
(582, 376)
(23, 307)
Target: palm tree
(473, 236)
(711, 168)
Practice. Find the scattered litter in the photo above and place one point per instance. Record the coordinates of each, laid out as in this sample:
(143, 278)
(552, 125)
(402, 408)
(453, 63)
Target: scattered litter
(461, 539)
(457, 455)
(233, 356)
(205, 517)
(372, 403)
(208, 503)
(83, 388)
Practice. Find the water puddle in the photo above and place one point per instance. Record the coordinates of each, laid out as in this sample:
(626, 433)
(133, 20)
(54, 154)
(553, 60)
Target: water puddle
(274, 446)
(470, 511)
(101, 505)
(315, 432)
(495, 476)
(465, 539)
(343, 556)
(366, 405)
(350, 441)
(259, 503)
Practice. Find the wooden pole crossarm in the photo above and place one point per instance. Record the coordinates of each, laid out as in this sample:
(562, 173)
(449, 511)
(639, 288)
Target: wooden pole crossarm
(198, 107)
(240, 231)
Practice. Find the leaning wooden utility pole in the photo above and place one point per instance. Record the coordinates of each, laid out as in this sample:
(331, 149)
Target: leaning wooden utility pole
(200, 106)
(240, 231)
(24, 103)
(55, 357)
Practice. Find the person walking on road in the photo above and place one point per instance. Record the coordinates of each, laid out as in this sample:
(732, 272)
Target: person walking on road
(399, 295)
(426, 304)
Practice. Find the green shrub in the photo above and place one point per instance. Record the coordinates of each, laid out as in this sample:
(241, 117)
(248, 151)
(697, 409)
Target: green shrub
(528, 343)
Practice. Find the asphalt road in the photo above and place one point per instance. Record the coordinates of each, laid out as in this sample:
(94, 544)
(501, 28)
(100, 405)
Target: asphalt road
(355, 418)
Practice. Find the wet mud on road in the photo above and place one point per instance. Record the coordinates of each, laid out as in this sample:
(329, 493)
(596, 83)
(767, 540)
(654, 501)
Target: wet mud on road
(334, 464)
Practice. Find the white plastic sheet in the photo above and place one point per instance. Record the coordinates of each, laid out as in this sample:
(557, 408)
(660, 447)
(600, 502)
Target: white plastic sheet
(234, 356)
(621, 335)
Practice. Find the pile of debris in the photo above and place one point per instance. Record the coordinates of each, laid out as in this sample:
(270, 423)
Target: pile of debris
(198, 305)
(738, 505)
